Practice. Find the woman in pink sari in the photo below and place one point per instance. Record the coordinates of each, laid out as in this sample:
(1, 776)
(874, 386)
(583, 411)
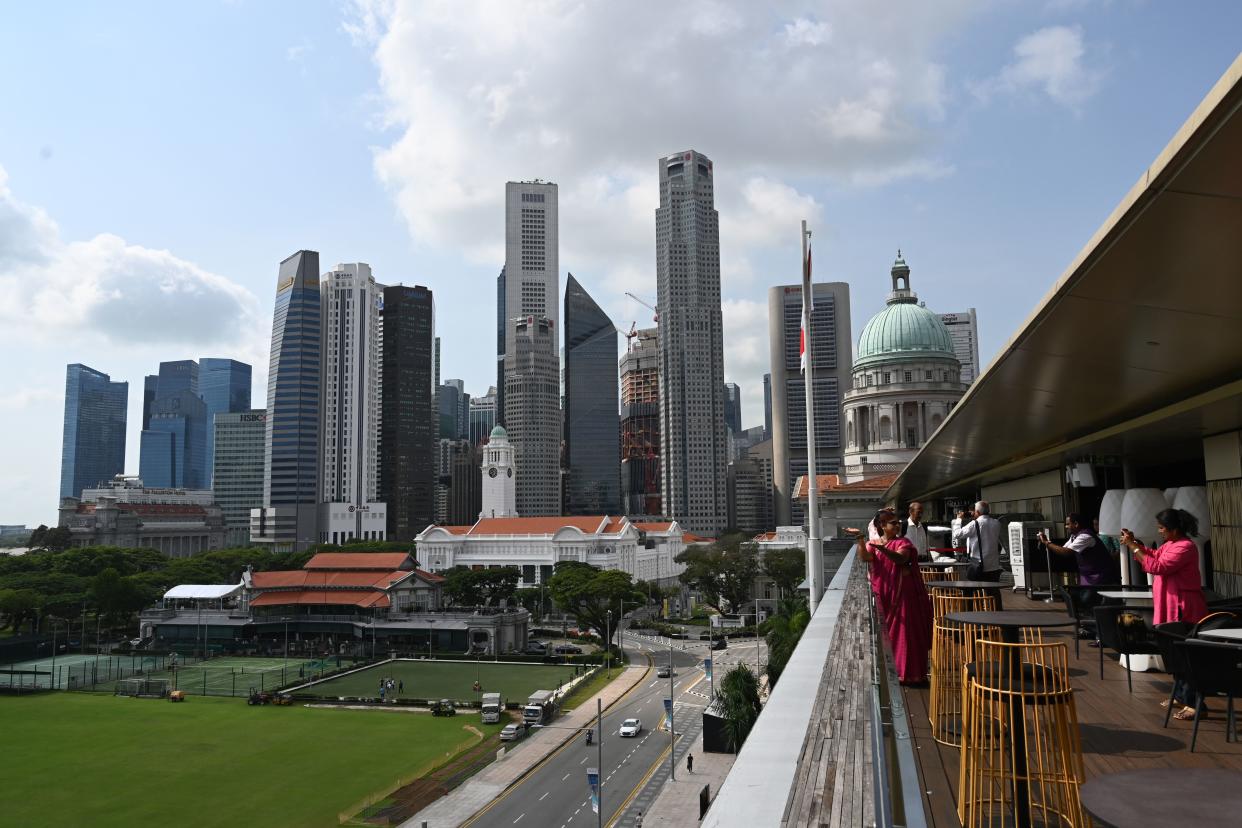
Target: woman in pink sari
(901, 596)
(875, 533)
(1177, 586)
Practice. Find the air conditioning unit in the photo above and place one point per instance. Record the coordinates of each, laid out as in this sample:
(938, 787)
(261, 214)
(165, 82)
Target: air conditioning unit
(1023, 547)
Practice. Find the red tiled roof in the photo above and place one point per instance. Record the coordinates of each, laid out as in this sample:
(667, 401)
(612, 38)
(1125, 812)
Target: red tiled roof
(764, 536)
(832, 483)
(456, 530)
(341, 597)
(430, 577)
(324, 578)
(359, 560)
(536, 525)
(690, 538)
(614, 526)
(654, 527)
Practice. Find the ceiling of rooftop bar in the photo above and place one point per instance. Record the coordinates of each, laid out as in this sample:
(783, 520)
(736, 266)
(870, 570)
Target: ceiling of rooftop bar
(1150, 315)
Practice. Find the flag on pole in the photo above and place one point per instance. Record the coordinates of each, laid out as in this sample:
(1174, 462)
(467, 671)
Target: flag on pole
(808, 304)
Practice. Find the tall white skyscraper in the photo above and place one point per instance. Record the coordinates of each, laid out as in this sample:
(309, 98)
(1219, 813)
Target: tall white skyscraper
(531, 415)
(964, 331)
(350, 423)
(693, 449)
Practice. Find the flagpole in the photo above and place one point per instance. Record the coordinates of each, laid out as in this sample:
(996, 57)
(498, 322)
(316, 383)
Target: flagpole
(814, 545)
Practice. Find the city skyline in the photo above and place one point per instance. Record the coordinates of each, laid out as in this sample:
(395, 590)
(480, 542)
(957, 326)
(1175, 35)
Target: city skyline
(911, 149)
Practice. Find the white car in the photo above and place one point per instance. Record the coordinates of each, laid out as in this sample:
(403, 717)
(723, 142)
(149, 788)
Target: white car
(512, 732)
(631, 727)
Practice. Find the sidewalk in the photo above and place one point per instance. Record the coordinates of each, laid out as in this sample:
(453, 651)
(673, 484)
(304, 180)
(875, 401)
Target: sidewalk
(678, 802)
(467, 800)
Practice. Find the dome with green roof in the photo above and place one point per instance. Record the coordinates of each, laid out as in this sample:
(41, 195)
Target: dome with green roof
(903, 330)
(499, 432)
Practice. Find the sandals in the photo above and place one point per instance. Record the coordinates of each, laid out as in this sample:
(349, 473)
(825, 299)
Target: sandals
(1186, 714)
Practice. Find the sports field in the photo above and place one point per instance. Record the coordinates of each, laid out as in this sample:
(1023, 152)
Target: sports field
(449, 679)
(90, 759)
(75, 670)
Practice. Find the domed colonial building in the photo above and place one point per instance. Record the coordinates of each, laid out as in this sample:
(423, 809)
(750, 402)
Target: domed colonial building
(904, 382)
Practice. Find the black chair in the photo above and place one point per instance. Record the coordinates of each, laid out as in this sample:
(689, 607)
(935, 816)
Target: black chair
(1167, 636)
(1080, 602)
(1126, 633)
(1212, 670)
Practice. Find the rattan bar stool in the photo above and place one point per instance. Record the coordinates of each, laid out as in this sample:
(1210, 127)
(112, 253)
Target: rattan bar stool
(952, 647)
(1021, 752)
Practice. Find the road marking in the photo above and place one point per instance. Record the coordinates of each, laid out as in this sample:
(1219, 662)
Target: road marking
(545, 795)
(583, 761)
(563, 778)
(519, 819)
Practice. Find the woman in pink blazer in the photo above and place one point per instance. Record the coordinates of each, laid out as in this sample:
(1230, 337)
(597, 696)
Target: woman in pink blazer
(1177, 587)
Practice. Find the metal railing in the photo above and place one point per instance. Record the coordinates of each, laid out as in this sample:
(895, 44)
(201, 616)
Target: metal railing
(899, 799)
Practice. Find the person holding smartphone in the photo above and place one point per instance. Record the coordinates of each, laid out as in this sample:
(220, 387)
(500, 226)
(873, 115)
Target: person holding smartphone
(901, 595)
(1096, 564)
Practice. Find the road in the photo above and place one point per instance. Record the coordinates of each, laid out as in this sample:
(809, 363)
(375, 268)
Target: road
(556, 792)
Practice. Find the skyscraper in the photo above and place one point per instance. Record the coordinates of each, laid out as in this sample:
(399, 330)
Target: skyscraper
(831, 348)
(732, 398)
(532, 363)
(407, 424)
(224, 385)
(150, 386)
(964, 331)
(693, 453)
(93, 442)
(174, 445)
(454, 410)
(237, 475)
(289, 516)
(767, 406)
(592, 440)
(501, 319)
(349, 480)
(482, 416)
(174, 439)
(640, 426)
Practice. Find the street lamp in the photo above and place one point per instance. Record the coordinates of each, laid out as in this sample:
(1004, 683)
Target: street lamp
(672, 728)
(286, 620)
(608, 645)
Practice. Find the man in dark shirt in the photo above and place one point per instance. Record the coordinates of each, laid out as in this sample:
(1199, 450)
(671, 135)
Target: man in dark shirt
(1096, 565)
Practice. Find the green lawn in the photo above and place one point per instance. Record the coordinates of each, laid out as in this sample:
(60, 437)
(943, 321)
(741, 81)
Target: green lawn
(86, 759)
(450, 680)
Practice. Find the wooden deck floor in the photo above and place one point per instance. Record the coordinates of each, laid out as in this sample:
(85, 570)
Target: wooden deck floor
(1120, 731)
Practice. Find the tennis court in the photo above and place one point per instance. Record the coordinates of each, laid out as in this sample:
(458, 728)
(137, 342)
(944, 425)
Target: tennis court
(78, 671)
(455, 680)
(222, 676)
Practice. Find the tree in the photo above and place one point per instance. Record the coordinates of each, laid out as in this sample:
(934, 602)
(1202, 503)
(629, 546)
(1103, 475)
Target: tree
(784, 631)
(786, 568)
(56, 539)
(481, 587)
(589, 593)
(19, 604)
(739, 702)
(723, 573)
(117, 597)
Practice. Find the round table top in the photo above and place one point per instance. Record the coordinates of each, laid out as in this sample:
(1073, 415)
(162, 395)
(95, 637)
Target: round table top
(1012, 618)
(1200, 797)
(931, 564)
(964, 584)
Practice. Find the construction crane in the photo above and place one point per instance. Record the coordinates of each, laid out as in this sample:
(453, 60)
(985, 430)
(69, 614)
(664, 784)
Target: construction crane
(652, 308)
(629, 335)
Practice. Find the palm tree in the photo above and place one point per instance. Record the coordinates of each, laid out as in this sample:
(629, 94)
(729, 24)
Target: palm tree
(739, 704)
(784, 631)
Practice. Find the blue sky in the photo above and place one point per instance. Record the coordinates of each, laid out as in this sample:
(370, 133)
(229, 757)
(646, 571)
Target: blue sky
(159, 160)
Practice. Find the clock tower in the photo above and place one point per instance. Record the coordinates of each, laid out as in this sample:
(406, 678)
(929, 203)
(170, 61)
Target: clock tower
(498, 476)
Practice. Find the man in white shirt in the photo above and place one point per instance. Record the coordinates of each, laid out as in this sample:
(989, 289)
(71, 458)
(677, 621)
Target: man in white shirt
(982, 537)
(915, 531)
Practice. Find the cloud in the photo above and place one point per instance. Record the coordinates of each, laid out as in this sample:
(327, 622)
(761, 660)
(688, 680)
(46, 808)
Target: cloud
(785, 97)
(107, 290)
(1050, 60)
(295, 53)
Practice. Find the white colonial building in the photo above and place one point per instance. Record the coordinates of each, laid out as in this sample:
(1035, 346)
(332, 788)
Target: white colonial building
(646, 551)
(906, 379)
